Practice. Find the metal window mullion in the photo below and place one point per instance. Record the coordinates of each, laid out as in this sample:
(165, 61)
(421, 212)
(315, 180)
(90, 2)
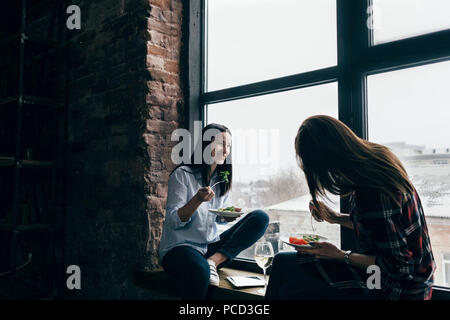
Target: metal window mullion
(194, 54)
(292, 82)
(204, 51)
(353, 40)
(407, 53)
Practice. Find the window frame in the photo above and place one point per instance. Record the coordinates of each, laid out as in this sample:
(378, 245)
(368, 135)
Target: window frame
(357, 58)
(445, 261)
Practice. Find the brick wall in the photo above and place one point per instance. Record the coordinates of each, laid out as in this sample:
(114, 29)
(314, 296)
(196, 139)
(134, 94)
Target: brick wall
(165, 108)
(125, 99)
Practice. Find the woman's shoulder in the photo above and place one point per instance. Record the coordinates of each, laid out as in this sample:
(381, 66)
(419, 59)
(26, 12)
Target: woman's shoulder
(377, 200)
(183, 171)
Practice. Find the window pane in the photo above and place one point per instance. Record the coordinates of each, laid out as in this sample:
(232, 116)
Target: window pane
(255, 40)
(265, 171)
(409, 112)
(393, 20)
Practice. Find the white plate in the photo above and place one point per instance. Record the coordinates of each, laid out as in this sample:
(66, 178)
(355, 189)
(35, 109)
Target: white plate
(227, 214)
(286, 240)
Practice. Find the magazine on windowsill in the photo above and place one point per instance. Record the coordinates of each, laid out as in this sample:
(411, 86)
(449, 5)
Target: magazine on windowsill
(246, 281)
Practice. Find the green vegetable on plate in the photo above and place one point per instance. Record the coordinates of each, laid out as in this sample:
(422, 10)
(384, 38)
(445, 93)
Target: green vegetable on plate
(311, 238)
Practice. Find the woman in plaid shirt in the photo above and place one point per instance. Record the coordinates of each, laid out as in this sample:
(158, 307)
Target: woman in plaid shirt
(385, 213)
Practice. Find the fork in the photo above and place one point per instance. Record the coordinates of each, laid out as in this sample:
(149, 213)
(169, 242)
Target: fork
(217, 183)
(312, 225)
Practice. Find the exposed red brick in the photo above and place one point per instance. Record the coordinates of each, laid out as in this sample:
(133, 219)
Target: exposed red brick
(163, 40)
(156, 165)
(155, 62)
(152, 139)
(171, 66)
(155, 203)
(161, 126)
(155, 112)
(161, 100)
(152, 49)
(165, 16)
(172, 90)
(164, 28)
(164, 100)
(160, 75)
(163, 4)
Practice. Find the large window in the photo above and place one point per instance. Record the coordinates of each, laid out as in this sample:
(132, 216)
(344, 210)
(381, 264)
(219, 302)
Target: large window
(408, 111)
(265, 170)
(379, 67)
(255, 40)
(398, 19)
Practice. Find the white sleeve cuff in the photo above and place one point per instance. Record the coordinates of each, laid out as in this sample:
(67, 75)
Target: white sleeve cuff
(177, 221)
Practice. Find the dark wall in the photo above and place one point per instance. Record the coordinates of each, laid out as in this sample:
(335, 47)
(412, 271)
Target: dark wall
(124, 98)
(124, 101)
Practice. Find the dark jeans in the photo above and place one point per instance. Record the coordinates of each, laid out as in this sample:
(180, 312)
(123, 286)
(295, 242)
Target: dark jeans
(189, 267)
(289, 281)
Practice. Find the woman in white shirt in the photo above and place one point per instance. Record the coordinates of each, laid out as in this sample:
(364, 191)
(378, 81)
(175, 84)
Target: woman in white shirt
(191, 248)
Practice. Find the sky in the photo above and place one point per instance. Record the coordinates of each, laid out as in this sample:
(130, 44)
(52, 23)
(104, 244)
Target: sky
(255, 40)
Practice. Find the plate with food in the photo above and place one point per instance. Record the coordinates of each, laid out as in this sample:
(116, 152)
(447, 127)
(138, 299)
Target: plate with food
(228, 212)
(302, 240)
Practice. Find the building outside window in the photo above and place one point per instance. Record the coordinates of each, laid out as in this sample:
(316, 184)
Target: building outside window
(408, 112)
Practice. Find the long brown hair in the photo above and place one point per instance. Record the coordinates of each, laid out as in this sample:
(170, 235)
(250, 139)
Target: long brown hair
(202, 170)
(336, 160)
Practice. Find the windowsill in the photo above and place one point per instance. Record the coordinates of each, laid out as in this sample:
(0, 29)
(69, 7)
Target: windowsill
(159, 280)
(441, 293)
(228, 291)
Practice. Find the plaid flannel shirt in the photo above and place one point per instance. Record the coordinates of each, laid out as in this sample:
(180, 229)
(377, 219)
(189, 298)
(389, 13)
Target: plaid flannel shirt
(398, 237)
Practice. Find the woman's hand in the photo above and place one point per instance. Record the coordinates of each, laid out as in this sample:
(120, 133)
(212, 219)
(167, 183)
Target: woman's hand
(205, 194)
(323, 212)
(323, 250)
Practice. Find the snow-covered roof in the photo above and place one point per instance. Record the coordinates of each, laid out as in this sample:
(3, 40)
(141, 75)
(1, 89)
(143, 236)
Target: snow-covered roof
(302, 204)
(439, 207)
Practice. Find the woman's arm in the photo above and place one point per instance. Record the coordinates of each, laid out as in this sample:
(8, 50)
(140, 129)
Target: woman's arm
(324, 213)
(344, 220)
(328, 250)
(179, 208)
(202, 195)
(361, 260)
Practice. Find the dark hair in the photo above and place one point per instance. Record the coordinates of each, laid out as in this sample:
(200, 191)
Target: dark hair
(335, 159)
(204, 169)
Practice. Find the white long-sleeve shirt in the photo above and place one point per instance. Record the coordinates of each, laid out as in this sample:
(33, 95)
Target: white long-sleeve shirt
(201, 228)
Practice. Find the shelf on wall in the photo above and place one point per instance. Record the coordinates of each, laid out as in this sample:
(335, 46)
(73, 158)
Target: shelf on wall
(36, 164)
(40, 40)
(6, 161)
(38, 59)
(31, 100)
(25, 227)
(33, 38)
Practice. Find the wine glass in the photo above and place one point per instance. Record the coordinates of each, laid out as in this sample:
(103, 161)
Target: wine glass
(264, 256)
